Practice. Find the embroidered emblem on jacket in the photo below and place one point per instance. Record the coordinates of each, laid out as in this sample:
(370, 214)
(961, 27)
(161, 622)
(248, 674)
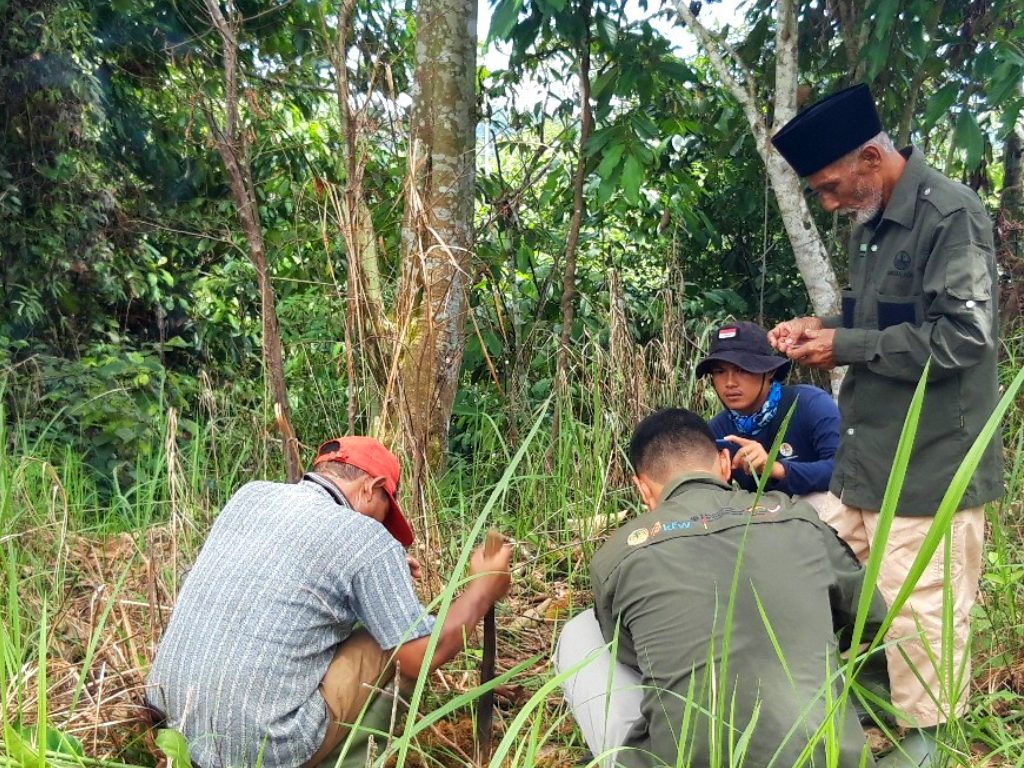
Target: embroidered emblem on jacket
(902, 261)
(639, 536)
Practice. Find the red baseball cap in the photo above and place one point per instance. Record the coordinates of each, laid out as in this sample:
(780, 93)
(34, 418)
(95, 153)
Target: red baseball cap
(372, 457)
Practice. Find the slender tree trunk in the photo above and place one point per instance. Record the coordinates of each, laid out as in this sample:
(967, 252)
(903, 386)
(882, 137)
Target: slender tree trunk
(1011, 196)
(1010, 231)
(232, 145)
(579, 209)
(853, 33)
(812, 257)
(367, 326)
(437, 233)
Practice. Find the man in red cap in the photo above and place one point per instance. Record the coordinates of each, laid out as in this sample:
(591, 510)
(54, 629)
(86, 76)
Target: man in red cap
(922, 287)
(299, 606)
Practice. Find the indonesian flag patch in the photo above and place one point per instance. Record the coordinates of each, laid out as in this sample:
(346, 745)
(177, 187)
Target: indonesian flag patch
(728, 333)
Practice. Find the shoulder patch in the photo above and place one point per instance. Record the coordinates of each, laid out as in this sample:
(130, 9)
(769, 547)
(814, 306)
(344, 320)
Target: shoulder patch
(637, 537)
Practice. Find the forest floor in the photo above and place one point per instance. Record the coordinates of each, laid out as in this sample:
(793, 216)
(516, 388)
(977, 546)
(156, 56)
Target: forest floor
(118, 593)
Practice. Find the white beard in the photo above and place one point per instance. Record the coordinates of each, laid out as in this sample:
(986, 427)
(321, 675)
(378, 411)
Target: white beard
(868, 207)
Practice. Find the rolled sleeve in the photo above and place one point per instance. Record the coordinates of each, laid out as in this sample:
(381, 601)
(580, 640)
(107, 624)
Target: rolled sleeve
(386, 603)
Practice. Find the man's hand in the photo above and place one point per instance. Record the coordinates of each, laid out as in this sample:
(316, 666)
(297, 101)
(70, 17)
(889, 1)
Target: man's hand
(415, 569)
(816, 350)
(792, 333)
(491, 581)
(492, 574)
(752, 456)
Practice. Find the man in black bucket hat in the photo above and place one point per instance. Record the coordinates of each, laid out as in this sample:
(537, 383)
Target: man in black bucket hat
(922, 286)
(747, 375)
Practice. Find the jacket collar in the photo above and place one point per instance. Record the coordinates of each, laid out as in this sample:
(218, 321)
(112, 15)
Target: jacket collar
(903, 201)
(326, 486)
(688, 481)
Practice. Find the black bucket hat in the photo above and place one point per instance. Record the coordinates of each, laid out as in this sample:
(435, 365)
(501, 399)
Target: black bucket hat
(828, 130)
(746, 346)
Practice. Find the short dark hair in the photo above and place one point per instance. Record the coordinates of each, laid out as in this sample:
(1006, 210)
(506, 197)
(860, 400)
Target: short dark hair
(340, 470)
(669, 438)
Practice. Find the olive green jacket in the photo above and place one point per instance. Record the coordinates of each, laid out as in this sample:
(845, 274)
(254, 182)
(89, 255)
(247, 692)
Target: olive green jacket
(662, 586)
(922, 284)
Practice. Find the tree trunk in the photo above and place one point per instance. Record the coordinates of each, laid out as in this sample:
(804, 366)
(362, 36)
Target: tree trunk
(232, 144)
(1011, 196)
(854, 34)
(437, 232)
(812, 257)
(1009, 230)
(579, 209)
(367, 326)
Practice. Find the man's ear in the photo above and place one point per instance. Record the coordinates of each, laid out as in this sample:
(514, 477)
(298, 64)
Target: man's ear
(870, 156)
(375, 483)
(368, 485)
(647, 495)
(724, 465)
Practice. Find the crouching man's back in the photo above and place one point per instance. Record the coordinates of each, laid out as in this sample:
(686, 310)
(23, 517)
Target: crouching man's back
(722, 615)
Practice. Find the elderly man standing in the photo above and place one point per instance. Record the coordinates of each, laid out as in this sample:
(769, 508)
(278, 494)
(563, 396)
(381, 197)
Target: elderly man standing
(922, 282)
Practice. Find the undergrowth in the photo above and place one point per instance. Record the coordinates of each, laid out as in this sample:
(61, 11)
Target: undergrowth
(89, 577)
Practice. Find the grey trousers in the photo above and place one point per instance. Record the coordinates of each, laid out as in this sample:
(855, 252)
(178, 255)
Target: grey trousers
(604, 695)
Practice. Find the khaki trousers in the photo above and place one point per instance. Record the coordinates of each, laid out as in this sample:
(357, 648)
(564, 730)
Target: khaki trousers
(925, 690)
(358, 670)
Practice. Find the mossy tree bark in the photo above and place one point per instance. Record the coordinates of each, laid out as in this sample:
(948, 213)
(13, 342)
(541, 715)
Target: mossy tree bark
(437, 232)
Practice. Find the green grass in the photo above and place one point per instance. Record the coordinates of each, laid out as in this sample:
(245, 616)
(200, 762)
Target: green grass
(536, 491)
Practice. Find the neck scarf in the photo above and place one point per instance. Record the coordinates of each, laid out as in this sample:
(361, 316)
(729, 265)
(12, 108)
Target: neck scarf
(751, 424)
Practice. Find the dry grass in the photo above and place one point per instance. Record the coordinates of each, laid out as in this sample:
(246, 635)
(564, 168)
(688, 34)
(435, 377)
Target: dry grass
(116, 597)
(102, 639)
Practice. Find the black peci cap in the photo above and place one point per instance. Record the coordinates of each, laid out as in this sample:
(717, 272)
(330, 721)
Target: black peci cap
(828, 130)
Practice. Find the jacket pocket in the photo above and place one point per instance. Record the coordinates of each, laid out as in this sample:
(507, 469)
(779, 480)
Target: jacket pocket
(967, 277)
(896, 310)
(849, 307)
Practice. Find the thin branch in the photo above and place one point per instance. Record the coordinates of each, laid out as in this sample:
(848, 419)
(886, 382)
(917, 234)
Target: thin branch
(718, 51)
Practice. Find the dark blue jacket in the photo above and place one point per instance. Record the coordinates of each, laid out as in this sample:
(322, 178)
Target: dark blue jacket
(813, 437)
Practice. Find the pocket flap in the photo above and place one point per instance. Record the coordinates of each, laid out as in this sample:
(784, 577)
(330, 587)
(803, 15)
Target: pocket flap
(968, 278)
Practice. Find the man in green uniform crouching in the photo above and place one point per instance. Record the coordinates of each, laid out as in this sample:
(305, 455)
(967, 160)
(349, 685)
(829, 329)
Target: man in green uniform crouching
(707, 660)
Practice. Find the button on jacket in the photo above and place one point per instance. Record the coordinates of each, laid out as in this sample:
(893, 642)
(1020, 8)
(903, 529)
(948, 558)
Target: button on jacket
(662, 586)
(922, 283)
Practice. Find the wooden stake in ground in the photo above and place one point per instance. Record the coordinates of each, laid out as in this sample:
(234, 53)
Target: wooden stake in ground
(485, 704)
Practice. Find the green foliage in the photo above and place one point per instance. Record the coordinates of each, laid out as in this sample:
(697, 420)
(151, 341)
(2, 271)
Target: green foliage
(125, 273)
(174, 746)
(109, 401)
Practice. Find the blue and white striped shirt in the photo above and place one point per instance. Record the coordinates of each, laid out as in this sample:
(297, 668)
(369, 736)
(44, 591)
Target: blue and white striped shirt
(284, 576)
